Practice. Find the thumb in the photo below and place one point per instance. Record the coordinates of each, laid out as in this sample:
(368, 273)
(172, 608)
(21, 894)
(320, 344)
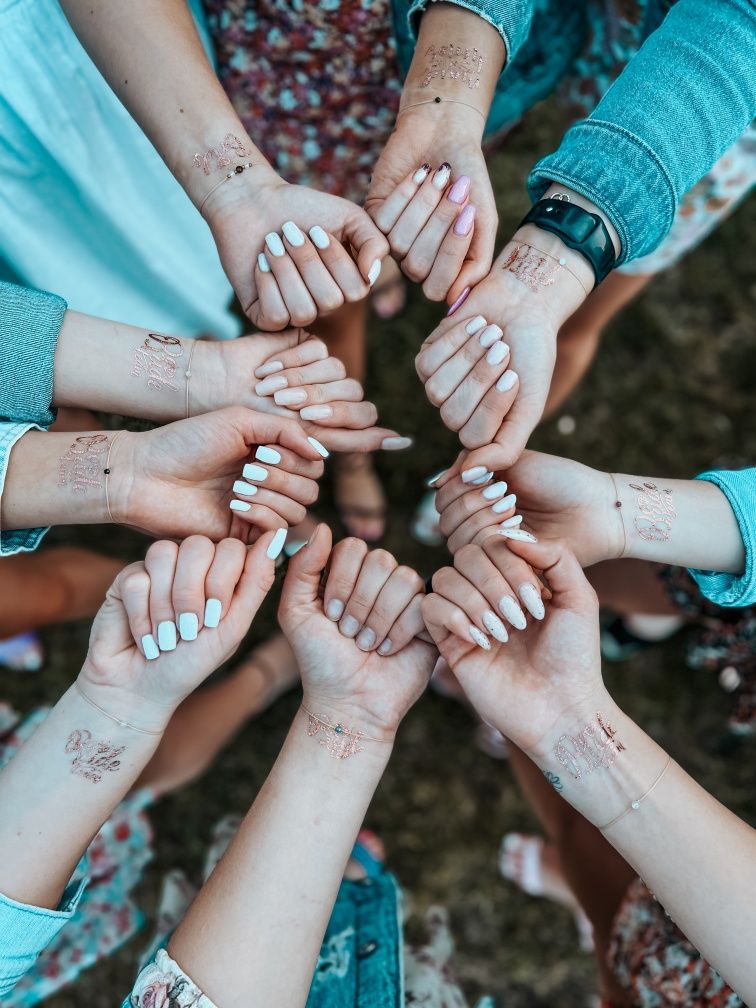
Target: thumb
(561, 571)
(301, 586)
(370, 246)
(257, 577)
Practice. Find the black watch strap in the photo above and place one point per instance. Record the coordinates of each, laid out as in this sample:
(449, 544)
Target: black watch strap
(582, 231)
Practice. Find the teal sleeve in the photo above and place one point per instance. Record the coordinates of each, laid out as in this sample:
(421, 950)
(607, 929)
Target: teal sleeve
(16, 540)
(739, 486)
(30, 323)
(682, 100)
(511, 18)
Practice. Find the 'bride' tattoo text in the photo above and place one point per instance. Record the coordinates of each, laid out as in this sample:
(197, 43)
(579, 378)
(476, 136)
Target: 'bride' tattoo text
(82, 467)
(338, 741)
(92, 759)
(656, 512)
(452, 63)
(218, 157)
(531, 267)
(595, 747)
(156, 360)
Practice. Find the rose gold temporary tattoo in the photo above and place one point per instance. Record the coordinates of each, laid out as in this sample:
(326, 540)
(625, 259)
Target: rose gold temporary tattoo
(83, 465)
(453, 63)
(338, 741)
(656, 512)
(220, 154)
(92, 759)
(594, 748)
(157, 359)
(532, 267)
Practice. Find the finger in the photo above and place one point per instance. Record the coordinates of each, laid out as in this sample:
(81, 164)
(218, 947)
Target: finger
(339, 264)
(273, 479)
(492, 499)
(160, 564)
(420, 258)
(296, 349)
(358, 440)
(451, 253)
(346, 390)
(301, 586)
(495, 585)
(480, 254)
(450, 375)
(485, 420)
(458, 409)
(391, 209)
(355, 415)
(472, 606)
(256, 580)
(433, 354)
(439, 616)
(195, 556)
(409, 625)
(320, 371)
(370, 246)
(264, 429)
(221, 580)
(376, 569)
(267, 511)
(382, 622)
(418, 211)
(133, 588)
(346, 563)
(560, 568)
(269, 311)
(323, 289)
(527, 588)
(299, 303)
(481, 526)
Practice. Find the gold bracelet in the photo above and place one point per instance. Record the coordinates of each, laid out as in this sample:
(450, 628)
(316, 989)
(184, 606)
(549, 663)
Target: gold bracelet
(229, 175)
(634, 806)
(188, 375)
(118, 721)
(106, 473)
(438, 100)
(562, 262)
(618, 506)
(340, 729)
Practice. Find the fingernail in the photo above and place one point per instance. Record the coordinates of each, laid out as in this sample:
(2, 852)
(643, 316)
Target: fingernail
(237, 505)
(271, 385)
(188, 625)
(495, 490)
(292, 234)
(275, 245)
(511, 522)
(276, 544)
(531, 599)
(149, 647)
(472, 474)
(365, 639)
(270, 368)
(518, 534)
(482, 480)
(290, 396)
(504, 504)
(490, 335)
(245, 489)
(442, 176)
(459, 302)
(167, 635)
(475, 325)
(479, 638)
(254, 472)
(262, 262)
(396, 443)
(385, 647)
(374, 272)
(495, 627)
(319, 448)
(421, 174)
(432, 480)
(464, 223)
(266, 454)
(507, 381)
(460, 189)
(497, 353)
(334, 609)
(509, 608)
(349, 626)
(213, 610)
(316, 412)
(319, 237)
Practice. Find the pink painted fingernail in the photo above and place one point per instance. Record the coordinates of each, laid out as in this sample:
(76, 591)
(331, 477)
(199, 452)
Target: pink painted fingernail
(290, 397)
(460, 189)
(463, 224)
(459, 302)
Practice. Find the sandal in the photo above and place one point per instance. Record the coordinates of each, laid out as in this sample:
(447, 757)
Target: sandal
(22, 653)
(359, 496)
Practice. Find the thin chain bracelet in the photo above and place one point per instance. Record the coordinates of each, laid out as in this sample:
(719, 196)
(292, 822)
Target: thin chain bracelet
(346, 742)
(618, 506)
(106, 474)
(634, 806)
(229, 175)
(188, 375)
(437, 101)
(118, 721)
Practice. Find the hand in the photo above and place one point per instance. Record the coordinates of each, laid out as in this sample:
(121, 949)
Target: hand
(435, 135)
(526, 686)
(356, 645)
(176, 480)
(308, 272)
(135, 669)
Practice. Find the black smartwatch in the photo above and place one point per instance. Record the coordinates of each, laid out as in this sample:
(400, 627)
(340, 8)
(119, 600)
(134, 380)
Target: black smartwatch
(582, 231)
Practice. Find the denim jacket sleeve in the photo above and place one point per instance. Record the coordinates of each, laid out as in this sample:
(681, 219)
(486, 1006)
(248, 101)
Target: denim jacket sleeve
(511, 18)
(683, 99)
(26, 930)
(739, 487)
(30, 323)
(18, 540)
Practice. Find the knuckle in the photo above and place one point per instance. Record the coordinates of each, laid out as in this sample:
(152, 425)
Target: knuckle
(415, 267)
(434, 393)
(466, 556)
(332, 301)
(411, 577)
(135, 581)
(442, 579)
(160, 552)
(383, 559)
(450, 416)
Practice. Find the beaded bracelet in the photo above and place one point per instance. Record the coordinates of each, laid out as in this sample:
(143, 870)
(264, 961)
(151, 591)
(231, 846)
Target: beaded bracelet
(229, 175)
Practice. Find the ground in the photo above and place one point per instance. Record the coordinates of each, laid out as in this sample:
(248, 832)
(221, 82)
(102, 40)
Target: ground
(671, 393)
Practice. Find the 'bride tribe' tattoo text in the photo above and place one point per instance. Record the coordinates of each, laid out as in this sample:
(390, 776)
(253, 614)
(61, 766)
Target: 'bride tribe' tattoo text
(157, 359)
(656, 512)
(92, 759)
(453, 63)
(220, 154)
(338, 741)
(532, 267)
(83, 465)
(595, 747)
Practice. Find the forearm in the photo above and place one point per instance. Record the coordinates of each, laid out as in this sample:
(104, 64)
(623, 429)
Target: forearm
(259, 921)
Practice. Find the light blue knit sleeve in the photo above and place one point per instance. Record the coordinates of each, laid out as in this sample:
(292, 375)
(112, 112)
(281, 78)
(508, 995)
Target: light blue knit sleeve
(739, 487)
(25, 931)
(15, 540)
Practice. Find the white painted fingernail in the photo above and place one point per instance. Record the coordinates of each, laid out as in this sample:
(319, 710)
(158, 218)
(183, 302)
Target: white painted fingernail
(396, 443)
(495, 627)
(374, 272)
(469, 475)
(254, 472)
(266, 454)
(495, 490)
(497, 353)
(292, 234)
(511, 522)
(270, 385)
(149, 647)
(507, 381)
(442, 176)
(421, 174)
(490, 335)
(504, 504)
(432, 480)
(188, 625)
(482, 480)
(237, 505)
(479, 638)
(385, 647)
(334, 609)
(316, 412)
(475, 325)
(365, 639)
(319, 448)
(349, 626)
(262, 262)
(245, 489)
(276, 544)
(167, 635)
(269, 368)
(275, 245)
(319, 237)
(510, 610)
(531, 599)
(290, 397)
(213, 610)
(518, 534)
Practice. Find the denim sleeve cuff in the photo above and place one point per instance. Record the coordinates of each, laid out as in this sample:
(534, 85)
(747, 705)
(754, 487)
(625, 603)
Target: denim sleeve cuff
(17, 540)
(510, 18)
(618, 172)
(25, 931)
(739, 487)
(30, 323)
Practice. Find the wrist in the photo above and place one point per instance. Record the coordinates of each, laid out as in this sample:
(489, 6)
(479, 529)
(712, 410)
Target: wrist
(458, 120)
(582, 201)
(210, 384)
(372, 731)
(121, 479)
(533, 273)
(250, 187)
(135, 715)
